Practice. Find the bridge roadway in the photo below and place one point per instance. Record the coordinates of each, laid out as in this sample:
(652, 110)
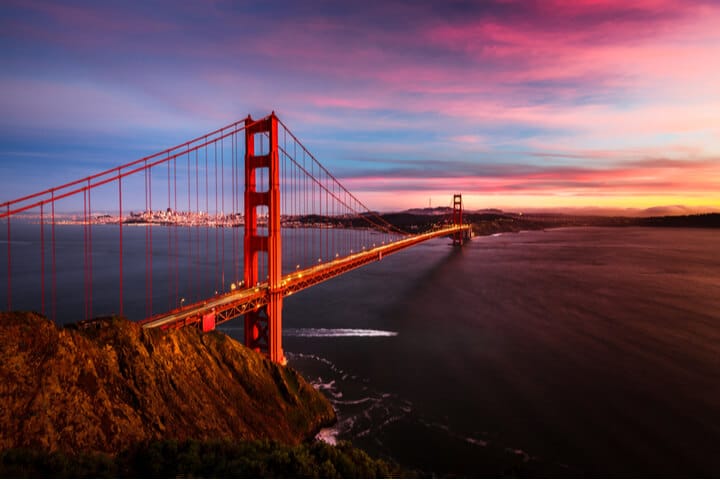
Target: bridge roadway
(233, 304)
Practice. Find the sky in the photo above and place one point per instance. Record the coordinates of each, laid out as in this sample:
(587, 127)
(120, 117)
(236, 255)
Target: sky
(597, 105)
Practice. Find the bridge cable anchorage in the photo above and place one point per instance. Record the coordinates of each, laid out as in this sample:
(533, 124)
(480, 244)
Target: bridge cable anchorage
(302, 226)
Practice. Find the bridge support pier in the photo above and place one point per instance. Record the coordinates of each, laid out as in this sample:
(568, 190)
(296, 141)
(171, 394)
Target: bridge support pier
(263, 327)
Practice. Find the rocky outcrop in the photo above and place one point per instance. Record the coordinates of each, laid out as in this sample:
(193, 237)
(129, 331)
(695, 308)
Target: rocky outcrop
(107, 387)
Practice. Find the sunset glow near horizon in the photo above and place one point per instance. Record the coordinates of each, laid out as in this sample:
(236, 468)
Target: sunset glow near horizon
(602, 104)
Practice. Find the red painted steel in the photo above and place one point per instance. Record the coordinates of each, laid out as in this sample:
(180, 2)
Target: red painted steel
(255, 298)
(54, 271)
(9, 262)
(42, 259)
(263, 327)
(314, 201)
(208, 322)
(459, 236)
(120, 224)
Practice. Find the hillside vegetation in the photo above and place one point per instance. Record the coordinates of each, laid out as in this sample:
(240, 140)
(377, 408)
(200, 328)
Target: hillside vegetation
(114, 385)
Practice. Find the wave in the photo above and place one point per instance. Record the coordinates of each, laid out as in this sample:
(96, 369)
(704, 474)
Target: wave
(362, 411)
(328, 435)
(325, 332)
(337, 332)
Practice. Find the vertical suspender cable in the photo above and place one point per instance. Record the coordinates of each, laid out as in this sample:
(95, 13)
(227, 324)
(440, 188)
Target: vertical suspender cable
(85, 255)
(233, 187)
(42, 258)
(150, 251)
(9, 262)
(222, 201)
(188, 220)
(169, 238)
(207, 215)
(54, 272)
(217, 226)
(120, 226)
(175, 252)
(197, 227)
(90, 262)
(147, 227)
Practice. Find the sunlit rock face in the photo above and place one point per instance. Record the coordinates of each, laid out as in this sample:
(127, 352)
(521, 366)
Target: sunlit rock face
(106, 386)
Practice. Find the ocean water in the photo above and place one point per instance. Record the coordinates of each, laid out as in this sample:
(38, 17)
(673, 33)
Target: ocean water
(579, 351)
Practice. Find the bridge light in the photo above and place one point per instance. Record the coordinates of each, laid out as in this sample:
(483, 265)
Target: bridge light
(337, 255)
(319, 260)
(182, 300)
(297, 267)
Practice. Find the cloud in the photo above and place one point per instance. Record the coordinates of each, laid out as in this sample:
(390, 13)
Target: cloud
(646, 177)
(511, 97)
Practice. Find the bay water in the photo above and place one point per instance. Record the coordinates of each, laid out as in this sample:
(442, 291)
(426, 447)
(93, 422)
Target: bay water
(576, 351)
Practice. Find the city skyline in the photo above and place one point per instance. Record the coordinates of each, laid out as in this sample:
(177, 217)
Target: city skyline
(589, 105)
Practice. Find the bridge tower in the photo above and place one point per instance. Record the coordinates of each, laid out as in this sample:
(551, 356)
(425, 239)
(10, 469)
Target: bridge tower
(458, 237)
(263, 327)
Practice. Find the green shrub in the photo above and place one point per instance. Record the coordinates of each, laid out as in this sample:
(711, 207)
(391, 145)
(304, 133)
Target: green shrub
(192, 458)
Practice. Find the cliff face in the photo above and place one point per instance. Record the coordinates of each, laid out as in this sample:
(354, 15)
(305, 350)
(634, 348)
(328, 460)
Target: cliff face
(104, 389)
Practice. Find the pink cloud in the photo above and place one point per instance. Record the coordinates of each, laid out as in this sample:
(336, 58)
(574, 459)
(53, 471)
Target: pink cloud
(594, 84)
(649, 177)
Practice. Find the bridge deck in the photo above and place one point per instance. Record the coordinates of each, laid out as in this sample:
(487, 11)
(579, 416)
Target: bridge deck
(233, 304)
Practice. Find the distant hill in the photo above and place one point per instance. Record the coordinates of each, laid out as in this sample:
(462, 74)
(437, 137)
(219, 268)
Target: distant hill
(429, 211)
(486, 222)
(707, 220)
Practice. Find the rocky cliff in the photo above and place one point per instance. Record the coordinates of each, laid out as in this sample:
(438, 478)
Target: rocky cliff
(104, 388)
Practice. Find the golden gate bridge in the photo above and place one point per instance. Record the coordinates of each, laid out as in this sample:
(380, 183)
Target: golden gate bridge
(257, 167)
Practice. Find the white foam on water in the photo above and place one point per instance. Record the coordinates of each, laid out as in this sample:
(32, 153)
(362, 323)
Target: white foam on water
(317, 358)
(359, 414)
(324, 332)
(327, 435)
(520, 453)
(356, 402)
(337, 332)
(475, 441)
(318, 384)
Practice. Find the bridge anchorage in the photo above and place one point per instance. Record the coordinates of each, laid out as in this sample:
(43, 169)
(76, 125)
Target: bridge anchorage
(301, 228)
